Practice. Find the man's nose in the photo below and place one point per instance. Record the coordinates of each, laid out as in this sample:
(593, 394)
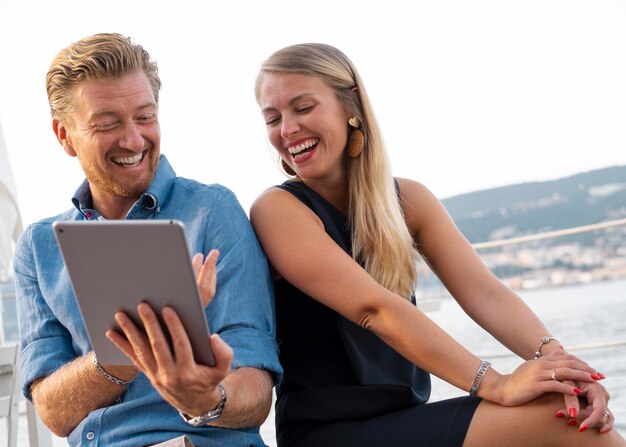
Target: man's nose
(132, 138)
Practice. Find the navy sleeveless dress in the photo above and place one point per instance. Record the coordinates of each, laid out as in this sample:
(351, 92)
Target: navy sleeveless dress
(342, 385)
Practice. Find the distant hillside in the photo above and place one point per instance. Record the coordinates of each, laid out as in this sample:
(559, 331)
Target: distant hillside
(528, 208)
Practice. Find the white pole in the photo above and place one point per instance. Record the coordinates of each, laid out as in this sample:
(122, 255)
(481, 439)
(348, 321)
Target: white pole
(10, 222)
(2, 336)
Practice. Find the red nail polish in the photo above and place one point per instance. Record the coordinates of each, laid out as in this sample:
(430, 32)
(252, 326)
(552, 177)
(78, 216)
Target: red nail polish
(602, 376)
(572, 422)
(577, 390)
(572, 412)
(559, 414)
(582, 429)
(596, 376)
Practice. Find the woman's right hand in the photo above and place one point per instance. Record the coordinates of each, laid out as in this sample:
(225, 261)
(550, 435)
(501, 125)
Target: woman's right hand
(539, 376)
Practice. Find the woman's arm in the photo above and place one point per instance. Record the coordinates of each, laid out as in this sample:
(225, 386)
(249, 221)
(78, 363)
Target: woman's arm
(299, 249)
(482, 296)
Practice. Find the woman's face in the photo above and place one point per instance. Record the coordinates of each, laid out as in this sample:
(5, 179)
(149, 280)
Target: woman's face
(306, 123)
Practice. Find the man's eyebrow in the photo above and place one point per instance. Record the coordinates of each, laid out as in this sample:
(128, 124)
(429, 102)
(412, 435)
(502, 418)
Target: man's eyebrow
(107, 112)
(147, 105)
(103, 112)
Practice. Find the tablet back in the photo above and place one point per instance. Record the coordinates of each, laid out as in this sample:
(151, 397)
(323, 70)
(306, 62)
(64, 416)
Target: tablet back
(114, 265)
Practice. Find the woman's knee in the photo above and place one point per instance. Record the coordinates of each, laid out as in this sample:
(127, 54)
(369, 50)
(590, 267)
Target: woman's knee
(532, 424)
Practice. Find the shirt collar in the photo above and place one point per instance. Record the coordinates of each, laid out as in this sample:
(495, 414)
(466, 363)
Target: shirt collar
(149, 204)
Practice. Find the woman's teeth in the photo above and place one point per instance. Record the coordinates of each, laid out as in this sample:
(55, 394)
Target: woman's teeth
(294, 150)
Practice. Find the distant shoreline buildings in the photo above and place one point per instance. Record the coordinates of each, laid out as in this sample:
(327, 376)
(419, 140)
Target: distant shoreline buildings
(546, 264)
(559, 265)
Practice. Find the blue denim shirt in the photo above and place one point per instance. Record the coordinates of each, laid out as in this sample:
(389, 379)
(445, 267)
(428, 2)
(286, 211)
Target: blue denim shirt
(52, 332)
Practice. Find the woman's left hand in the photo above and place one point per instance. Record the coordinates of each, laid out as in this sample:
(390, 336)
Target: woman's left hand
(593, 408)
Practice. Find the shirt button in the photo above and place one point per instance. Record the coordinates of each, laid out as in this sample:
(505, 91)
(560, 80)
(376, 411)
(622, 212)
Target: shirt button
(90, 436)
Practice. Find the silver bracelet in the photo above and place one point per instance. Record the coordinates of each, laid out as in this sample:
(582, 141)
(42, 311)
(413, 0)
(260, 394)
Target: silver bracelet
(108, 376)
(544, 340)
(484, 366)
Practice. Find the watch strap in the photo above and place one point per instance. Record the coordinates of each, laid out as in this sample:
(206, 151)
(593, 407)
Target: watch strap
(209, 416)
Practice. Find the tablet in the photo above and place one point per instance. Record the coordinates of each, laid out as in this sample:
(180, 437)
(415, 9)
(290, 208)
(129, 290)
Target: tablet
(114, 265)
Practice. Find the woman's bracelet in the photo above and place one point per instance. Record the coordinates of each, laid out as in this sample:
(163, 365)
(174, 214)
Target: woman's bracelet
(544, 340)
(108, 376)
(484, 366)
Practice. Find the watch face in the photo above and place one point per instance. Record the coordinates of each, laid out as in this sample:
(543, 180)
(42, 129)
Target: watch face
(209, 416)
(203, 419)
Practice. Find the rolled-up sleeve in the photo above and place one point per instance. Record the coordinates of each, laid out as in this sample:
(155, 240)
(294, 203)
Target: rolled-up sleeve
(46, 344)
(242, 311)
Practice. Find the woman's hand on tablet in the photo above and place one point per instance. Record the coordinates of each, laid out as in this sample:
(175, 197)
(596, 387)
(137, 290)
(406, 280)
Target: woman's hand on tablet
(206, 274)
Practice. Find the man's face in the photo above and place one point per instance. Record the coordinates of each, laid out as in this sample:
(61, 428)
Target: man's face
(114, 132)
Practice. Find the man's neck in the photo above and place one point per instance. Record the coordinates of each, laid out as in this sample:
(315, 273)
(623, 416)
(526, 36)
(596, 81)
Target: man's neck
(113, 208)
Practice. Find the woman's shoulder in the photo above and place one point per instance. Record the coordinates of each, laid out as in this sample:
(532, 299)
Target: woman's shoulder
(270, 197)
(418, 203)
(412, 191)
(278, 201)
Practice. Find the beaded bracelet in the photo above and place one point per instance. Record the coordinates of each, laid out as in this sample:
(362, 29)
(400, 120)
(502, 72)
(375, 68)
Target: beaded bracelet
(479, 377)
(108, 376)
(544, 340)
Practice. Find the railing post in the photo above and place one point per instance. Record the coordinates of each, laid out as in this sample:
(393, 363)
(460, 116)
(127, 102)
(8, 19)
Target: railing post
(2, 335)
(38, 434)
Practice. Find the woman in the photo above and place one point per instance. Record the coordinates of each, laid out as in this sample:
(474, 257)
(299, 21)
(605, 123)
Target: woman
(357, 353)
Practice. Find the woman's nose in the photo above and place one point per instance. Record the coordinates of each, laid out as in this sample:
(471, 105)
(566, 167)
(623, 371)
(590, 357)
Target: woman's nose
(289, 127)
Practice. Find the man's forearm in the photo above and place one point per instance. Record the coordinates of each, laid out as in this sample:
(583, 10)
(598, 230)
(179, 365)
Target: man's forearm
(249, 400)
(64, 398)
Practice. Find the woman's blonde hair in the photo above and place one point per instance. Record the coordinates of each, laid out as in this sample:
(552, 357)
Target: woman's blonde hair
(100, 56)
(380, 238)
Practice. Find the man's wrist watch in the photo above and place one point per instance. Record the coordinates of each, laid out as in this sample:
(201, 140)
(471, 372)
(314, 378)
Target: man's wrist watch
(209, 416)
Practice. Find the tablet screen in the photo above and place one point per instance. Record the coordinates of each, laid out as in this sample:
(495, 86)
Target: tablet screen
(114, 265)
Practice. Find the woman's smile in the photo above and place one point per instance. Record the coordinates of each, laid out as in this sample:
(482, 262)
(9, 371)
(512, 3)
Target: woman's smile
(303, 151)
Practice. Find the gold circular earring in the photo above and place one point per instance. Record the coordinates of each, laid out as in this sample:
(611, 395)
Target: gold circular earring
(287, 168)
(356, 140)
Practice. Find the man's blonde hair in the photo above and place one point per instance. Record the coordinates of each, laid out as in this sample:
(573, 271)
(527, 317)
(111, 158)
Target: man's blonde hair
(100, 56)
(380, 238)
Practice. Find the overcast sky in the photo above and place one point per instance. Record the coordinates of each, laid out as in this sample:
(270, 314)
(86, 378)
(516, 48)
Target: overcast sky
(469, 94)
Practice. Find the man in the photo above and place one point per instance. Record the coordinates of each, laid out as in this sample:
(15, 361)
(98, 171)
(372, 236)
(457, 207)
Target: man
(104, 92)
